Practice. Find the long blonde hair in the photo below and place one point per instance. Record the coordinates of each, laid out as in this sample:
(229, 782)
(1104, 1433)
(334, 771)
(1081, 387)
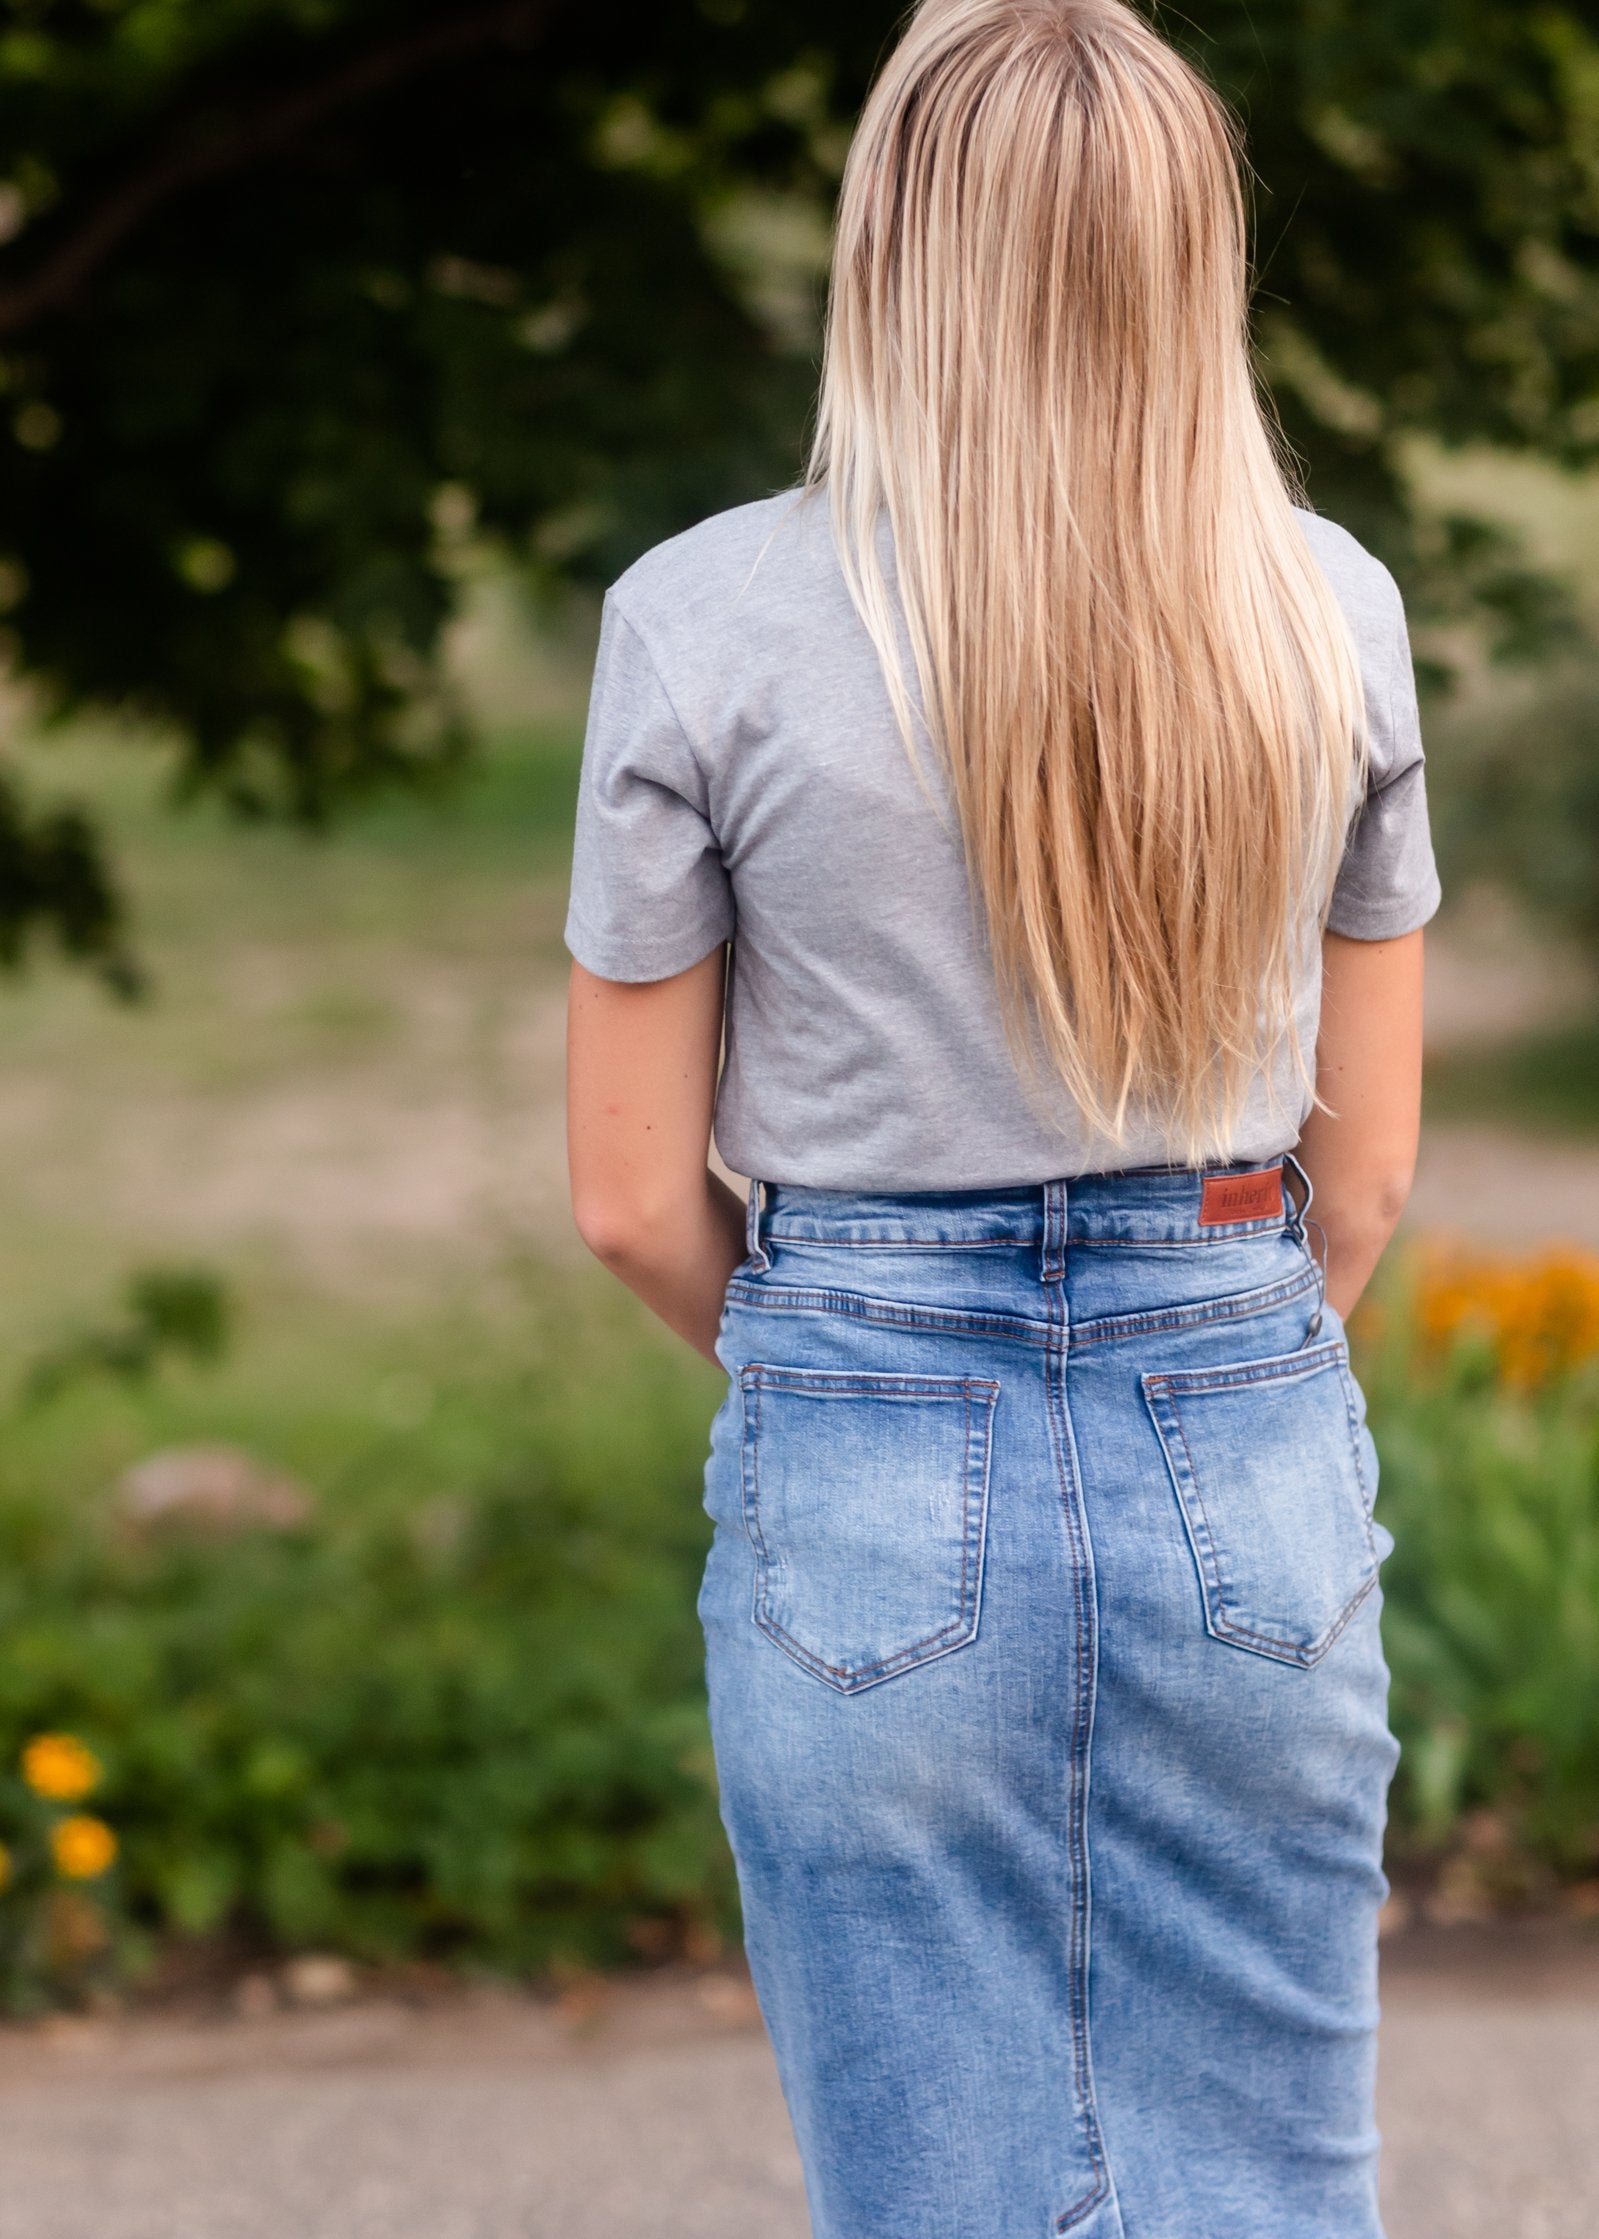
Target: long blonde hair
(1142, 691)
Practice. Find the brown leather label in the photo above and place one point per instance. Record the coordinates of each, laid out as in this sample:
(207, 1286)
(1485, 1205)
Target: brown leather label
(1241, 1197)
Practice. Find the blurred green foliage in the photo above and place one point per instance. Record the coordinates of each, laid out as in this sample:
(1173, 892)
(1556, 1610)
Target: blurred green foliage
(1547, 1081)
(1491, 1622)
(297, 294)
(464, 1725)
(1519, 801)
(51, 874)
(167, 1312)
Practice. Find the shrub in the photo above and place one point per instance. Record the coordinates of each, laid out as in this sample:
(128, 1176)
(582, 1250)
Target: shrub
(1483, 1377)
(466, 1726)
(167, 1311)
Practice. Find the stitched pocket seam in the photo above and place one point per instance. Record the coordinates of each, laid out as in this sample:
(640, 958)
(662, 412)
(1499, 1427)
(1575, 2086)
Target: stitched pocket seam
(977, 1441)
(791, 1298)
(1161, 1390)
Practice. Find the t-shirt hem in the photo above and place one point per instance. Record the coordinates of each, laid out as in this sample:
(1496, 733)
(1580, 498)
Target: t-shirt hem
(783, 1170)
(633, 964)
(1364, 924)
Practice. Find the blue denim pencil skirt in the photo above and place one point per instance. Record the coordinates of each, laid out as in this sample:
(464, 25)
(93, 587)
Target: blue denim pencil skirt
(1050, 1709)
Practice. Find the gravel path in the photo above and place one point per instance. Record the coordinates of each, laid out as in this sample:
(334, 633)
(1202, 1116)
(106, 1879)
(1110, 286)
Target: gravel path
(654, 2109)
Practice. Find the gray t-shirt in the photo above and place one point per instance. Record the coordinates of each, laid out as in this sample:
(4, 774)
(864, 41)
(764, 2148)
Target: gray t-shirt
(744, 780)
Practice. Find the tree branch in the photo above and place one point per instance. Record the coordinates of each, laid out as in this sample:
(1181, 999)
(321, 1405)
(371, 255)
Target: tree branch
(232, 144)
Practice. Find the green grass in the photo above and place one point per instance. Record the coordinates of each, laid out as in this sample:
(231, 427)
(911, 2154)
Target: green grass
(340, 1030)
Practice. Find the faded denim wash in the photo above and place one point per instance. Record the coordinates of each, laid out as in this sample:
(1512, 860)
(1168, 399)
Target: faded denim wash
(1050, 1711)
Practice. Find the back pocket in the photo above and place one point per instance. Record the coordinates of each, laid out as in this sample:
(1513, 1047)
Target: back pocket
(866, 1498)
(1268, 1465)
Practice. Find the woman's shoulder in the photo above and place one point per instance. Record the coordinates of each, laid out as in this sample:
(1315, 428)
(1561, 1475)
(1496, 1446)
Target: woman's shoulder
(1361, 584)
(746, 559)
(1371, 604)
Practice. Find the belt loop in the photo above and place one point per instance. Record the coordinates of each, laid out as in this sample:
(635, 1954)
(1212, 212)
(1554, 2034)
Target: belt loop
(1301, 1213)
(1052, 1268)
(1299, 1229)
(754, 1204)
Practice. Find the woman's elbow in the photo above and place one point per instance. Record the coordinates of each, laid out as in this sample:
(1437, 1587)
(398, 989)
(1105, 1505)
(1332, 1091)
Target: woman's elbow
(1366, 1214)
(605, 1223)
(1392, 1195)
(624, 1230)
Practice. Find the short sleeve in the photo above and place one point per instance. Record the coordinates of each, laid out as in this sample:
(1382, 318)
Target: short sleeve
(650, 894)
(1387, 883)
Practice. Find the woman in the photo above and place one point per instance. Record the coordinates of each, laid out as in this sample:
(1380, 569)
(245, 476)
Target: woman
(1048, 772)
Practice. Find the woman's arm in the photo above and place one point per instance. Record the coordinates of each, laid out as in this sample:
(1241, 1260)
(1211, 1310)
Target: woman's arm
(641, 1064)
(1361, 1154)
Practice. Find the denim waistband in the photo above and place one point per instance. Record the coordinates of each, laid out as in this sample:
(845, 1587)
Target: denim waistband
(1163, 1205)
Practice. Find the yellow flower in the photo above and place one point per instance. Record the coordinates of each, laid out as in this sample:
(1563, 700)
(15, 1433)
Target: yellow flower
(59, 1766)
(82, 1846)
(5, 1866)
(1538, 1317)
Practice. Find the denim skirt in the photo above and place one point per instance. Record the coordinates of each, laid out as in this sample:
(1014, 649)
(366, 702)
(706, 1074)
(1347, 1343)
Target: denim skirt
(1050, 1709)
